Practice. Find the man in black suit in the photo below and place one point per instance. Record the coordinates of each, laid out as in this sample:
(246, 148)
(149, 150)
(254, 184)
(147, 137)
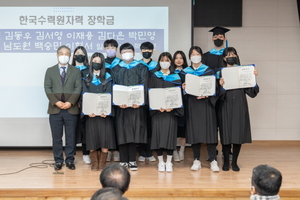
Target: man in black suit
(63, 87)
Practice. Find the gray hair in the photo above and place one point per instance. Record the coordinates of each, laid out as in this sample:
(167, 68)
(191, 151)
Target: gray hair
(63, 47)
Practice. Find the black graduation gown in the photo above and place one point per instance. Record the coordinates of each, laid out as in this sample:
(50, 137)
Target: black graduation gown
(215, 62)
(233, 116)
(80, 129)
(164, 124)
(131, 123)
(100, 131)
(201, 120)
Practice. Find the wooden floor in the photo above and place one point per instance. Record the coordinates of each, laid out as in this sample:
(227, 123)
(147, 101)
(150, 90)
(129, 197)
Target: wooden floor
(147, 182)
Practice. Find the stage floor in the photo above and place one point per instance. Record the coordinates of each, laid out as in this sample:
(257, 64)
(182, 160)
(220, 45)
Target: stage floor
(283, 155)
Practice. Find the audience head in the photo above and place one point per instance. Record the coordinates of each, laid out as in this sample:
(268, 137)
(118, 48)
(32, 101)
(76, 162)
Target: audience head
(266, 180)
(116, 176)
(108, 193)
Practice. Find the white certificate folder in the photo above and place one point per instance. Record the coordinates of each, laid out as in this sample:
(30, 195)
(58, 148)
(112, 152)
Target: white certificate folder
(98, 104)
(238, 77)
(200, 85)
(128, 95)
(166, 98)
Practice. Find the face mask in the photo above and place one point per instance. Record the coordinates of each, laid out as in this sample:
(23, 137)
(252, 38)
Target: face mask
(164, 65)
(63, 59)
(127, 56)
(80, 58)
(96, 66)
(147, 55)
(218, 42)
(196, 59)
(231, 60)
(111, 52)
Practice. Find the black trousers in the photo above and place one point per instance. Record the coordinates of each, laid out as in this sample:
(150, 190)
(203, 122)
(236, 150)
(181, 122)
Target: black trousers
(127, 152)
(211, 149)
(57, 122)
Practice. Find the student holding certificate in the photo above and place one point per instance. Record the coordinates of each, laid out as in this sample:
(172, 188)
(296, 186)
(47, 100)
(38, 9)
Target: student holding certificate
(180, 63)
(164, 120)
(100, 132)
(131, 125)
(80, 60)
(201, 120)
(234, 115)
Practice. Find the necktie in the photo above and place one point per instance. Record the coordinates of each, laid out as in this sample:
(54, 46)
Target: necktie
(63, 76)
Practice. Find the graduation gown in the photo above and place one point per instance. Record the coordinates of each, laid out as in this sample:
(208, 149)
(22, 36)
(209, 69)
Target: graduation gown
(110, 63)
(131, 125)
(181, 119)
(233, 115)
(100, 131)
(80, 129)
(201, 120)
(214, 59)
(164, 124)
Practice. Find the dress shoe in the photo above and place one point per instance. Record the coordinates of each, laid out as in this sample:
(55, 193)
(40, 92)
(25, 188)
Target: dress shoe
(58, 166)
(71, 166)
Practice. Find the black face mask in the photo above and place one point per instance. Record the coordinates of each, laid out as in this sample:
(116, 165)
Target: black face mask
(147, 54)
(218, 42)
(80, 58)
(96, 66)
(231, 60)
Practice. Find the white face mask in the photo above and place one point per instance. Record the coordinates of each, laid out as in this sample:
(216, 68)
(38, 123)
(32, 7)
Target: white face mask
(196, 59)
(63, 59)
(164, 65)
(127, 56)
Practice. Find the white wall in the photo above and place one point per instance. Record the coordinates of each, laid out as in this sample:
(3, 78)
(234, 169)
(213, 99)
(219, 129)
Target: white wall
(269, 38)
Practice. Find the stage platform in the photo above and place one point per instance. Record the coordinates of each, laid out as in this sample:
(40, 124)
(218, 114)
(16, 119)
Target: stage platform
(147, 183)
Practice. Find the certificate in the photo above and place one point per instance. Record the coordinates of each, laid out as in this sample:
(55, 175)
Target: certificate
(166, 98)
(128, 95)
(238, 77)
(98, 104)
(200, 85)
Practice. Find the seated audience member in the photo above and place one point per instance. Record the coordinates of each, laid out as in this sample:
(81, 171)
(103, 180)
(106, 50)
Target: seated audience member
(108, 193)
(266, 182)
(116, 176)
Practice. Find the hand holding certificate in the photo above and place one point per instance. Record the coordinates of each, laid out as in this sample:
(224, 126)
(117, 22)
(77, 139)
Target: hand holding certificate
(238, 77)
(96, 104)
(165, 98)
(200, 85)
(131, 96)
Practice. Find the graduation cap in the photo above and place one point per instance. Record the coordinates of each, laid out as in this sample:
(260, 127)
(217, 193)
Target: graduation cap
(218, 30)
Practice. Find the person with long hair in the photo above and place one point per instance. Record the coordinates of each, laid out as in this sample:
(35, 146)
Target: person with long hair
(234, 120)
(164, 121)
(180, 63)
(80, 61)
(201, 120)
(100, 133)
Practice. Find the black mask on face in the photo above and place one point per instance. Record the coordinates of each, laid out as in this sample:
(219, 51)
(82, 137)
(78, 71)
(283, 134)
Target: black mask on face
(96, 66)
(80, 58)
(147, 54)
(218, 42)
(231, 60)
